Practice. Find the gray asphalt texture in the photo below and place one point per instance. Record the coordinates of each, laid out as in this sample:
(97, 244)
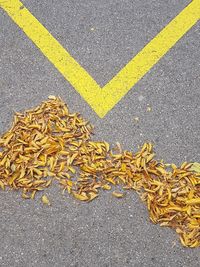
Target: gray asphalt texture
(106, 232)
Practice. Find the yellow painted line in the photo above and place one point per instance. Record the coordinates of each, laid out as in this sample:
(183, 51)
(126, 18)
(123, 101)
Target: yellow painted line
(103, 99)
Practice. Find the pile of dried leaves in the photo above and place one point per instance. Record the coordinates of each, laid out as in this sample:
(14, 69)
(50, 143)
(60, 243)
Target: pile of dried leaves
(48, 143)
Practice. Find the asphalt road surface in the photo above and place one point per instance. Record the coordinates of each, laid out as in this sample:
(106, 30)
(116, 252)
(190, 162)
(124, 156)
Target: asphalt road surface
(102, 36)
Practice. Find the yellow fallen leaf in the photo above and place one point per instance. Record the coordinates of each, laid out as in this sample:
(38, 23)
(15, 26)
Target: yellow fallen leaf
(106, 187)
(2, 186)
(193, 201)
(123, 167)
(52, 97)
(82, 197)
(92, 196)
(45, 200)
(117, 194)
(195, 167)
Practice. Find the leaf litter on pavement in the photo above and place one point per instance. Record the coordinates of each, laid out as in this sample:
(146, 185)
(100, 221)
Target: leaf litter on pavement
(49, 143)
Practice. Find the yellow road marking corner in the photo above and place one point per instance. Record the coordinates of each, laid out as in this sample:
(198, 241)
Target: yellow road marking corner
(103, 99)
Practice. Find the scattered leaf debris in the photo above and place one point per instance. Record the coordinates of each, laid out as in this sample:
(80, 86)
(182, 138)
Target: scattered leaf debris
(49, 143)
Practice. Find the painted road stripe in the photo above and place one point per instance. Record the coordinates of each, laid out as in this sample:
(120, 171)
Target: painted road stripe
(103, 99)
